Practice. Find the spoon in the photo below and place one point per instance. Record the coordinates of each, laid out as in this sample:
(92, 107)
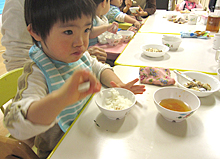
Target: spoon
(189, 79)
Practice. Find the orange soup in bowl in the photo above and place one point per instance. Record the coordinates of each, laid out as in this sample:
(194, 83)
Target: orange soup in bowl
(175, 105)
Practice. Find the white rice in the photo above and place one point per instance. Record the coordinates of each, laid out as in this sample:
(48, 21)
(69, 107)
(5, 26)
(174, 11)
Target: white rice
(116, 101)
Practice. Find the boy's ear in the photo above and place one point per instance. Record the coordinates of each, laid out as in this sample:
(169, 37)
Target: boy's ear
(33, 34)
(104, 3)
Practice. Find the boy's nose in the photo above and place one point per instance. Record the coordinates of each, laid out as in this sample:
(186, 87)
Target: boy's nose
(78, 41)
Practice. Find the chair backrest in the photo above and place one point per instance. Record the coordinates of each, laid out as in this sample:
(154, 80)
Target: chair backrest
(12, 148)
(8, 86)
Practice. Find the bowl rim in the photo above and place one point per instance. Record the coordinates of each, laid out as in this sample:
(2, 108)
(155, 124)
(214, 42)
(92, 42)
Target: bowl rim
(161, 53)
(123, 31)
(115, 110)
(199, 104)
(200, 73)
(176, 41)
(134, 8)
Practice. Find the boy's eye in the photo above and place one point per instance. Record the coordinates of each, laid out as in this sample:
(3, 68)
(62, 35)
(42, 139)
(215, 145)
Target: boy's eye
(68, 32)
(88, 30)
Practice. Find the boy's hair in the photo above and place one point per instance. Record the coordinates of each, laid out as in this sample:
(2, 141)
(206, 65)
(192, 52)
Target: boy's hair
(43, 14)
(97, 2)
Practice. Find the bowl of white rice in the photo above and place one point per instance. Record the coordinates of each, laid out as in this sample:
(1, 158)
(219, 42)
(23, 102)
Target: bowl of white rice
(115, 103)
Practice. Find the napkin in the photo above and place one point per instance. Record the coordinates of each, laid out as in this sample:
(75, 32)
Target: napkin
(196, 34)
(156, 76)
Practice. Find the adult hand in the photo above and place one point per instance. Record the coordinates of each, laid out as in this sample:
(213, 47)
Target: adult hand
(136, 89)
(98, 52)
(140, 12)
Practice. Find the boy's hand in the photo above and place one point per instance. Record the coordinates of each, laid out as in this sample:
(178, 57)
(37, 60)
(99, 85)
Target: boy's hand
(69, 91)
(136, 89)
(113, 28)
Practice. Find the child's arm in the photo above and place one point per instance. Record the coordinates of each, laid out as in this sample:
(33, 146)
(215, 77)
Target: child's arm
(49, 107)
(198, 5)
(181, 5)
(128, 4)
(110, 79)
(97, 30)
(129, 19)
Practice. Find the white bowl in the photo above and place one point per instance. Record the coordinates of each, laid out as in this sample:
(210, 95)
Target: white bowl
(113, 39)
(114, 114)
(202, 77)
(172, 42)
(176, 93)
(126, 35)
(162, 47)
(134, 9)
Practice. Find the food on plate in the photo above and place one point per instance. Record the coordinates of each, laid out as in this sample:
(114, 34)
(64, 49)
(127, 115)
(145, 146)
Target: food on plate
(153, 50)
(185, 11)
(117, 101)
(175, 105)
(178, 20)
(198, 85)
(202, 33)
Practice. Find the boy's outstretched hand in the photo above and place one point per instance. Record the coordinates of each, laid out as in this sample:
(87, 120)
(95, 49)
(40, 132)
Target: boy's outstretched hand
(136, 89)
(70, 91)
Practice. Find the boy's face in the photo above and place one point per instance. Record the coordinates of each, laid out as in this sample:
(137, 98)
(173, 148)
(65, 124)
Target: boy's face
(67, 42)
(116, 3)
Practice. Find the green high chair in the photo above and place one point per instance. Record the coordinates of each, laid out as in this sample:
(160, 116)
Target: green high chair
(8, 86)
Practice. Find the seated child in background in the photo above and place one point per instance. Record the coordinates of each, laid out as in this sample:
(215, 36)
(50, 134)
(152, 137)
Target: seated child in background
(100, 22)
(188, 4)
(48, 99)
(115, 14)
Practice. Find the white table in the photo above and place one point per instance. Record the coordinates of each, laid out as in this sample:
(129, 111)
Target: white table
(193, 54)
(157, 23)
(143, 133)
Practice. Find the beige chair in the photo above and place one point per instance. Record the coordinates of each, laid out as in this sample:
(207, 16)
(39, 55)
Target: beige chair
(14, 149)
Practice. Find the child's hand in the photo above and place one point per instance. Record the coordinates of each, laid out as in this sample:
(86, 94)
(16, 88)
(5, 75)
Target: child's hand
(69, 91)
(99, 53)
(128, 3)
(113, 28)
(136, 89)
(177, 7)
(137, 25)
(140, 12)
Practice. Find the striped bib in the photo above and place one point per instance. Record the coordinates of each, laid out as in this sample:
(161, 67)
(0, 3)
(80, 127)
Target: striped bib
(56, 73)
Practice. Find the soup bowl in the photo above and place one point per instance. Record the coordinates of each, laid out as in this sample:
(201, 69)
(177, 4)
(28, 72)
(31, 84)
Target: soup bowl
(183, 95)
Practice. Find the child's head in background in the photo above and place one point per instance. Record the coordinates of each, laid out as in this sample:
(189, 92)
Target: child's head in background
(61, 26)
(116, 3)
(103, 6)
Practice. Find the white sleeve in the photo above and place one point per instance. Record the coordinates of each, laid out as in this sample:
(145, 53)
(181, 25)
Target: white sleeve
(16, 38)
(15, 119)
(120, 17)
(97, 67)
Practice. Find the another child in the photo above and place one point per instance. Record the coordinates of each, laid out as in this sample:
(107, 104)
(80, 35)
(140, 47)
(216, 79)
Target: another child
(115, 14)
(188, 4)
(48, 99)
(100, 22)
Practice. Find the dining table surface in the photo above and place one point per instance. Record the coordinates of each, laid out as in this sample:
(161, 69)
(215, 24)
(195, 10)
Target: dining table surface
(143, 133)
